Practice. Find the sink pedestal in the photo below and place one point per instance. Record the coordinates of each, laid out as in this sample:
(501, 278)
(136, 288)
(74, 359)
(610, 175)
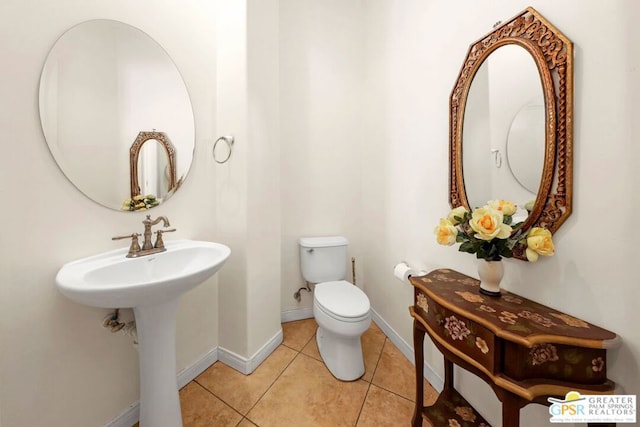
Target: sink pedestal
(152, 285)
(159, 400)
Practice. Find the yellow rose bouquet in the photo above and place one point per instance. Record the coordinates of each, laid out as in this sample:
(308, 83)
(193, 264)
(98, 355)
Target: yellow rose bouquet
(488, 233)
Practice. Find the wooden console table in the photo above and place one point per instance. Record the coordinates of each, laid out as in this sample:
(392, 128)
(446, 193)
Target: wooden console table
(525, 351)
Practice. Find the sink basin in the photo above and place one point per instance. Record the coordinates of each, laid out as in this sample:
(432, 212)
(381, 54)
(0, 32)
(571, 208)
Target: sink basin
(110, 280)
(152, 286)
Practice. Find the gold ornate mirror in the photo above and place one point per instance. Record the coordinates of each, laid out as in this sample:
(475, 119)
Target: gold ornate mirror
(483, 125)
(159, 177)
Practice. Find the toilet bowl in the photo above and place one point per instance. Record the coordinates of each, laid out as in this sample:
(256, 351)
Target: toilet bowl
(343, 314)
(342, 310)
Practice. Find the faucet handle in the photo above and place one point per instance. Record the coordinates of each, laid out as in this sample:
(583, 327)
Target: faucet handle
(159, 242)
(134, 249)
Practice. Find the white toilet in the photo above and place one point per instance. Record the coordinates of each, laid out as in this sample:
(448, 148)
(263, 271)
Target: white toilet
(341, 309)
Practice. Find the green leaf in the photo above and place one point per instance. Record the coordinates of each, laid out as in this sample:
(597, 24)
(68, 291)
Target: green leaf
(506, 252)
(573, 356)
(467, 247)
(568, 370)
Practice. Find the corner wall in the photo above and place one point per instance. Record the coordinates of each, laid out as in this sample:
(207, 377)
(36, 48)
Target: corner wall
(248, 185)
(320, 132)
(414, 50)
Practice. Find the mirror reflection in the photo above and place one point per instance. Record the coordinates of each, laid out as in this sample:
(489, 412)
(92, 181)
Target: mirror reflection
(525, 146)
(153, 169)
(501, 133)
(103, 83)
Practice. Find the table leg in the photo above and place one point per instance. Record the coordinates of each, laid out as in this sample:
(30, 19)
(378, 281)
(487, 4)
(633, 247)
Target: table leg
(511, 405)
(448, 374)
(418, 348)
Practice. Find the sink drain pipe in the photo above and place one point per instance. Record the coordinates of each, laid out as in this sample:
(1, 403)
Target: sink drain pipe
(112, 322)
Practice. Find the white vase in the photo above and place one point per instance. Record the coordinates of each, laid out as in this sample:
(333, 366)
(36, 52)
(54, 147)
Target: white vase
(490, 273)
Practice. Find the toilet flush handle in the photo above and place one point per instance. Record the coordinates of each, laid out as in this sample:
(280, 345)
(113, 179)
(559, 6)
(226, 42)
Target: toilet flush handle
(310, 250)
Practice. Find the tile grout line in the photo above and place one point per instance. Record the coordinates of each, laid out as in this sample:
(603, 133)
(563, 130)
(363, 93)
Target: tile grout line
(265, 392)
(386, 340)
(362, 406)
(270, 386)
(218, 397)
(370, 382)
(379, 357)
(225, 403)
(299, 352)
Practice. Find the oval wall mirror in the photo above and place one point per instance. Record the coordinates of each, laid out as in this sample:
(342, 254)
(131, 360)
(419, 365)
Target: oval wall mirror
(507, 80)
(103, 84)
(520, 72)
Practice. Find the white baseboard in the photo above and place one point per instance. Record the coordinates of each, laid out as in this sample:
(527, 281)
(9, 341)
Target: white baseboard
(407, 350)
(189, 373)
(126, 419)
(248, 365)
(296, 314)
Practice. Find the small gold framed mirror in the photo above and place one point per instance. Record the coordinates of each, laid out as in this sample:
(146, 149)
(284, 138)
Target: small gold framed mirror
(514, 95)
(156, 172)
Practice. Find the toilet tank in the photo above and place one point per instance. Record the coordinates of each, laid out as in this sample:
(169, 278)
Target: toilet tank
(323, 259)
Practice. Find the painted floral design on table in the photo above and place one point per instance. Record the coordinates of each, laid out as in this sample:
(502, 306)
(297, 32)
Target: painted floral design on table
(466, 413)
(508, 317)
(512, 299)
(444, 277)
(457, 328)
(597, 365)
(571, 321)
(537, 318)
(543, 353)
(422, 302)
(487, 308)
(482, 345)
(507, 301)
(470, 296)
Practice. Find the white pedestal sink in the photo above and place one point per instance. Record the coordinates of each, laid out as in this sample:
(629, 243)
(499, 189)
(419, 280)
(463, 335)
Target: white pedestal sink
(152, 286)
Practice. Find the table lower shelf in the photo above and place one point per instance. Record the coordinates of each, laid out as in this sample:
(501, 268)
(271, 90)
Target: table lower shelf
(452, 410)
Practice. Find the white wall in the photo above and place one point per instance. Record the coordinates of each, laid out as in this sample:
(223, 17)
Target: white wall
(248, 186)
(264, 211)
(414, 51)
(58, 366)
(321, 143)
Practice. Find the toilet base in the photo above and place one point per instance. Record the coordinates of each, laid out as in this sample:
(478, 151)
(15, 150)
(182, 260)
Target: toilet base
(341, 355)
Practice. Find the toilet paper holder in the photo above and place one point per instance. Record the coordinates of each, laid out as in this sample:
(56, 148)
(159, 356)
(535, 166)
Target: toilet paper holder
(403, 271)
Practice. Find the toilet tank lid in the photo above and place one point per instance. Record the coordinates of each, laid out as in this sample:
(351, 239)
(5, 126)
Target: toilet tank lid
(323, 242)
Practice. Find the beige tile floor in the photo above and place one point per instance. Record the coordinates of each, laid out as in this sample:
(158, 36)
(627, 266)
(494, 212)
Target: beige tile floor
(292, 387)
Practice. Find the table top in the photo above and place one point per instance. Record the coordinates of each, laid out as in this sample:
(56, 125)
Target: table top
(511, 316)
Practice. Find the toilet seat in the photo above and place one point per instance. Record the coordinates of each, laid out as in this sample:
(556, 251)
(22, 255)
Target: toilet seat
(342, 301)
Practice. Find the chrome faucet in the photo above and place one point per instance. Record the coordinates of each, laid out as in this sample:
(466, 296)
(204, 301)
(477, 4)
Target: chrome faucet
(148, 247)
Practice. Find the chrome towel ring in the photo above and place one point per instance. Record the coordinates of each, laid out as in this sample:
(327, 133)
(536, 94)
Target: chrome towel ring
(228, 139)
